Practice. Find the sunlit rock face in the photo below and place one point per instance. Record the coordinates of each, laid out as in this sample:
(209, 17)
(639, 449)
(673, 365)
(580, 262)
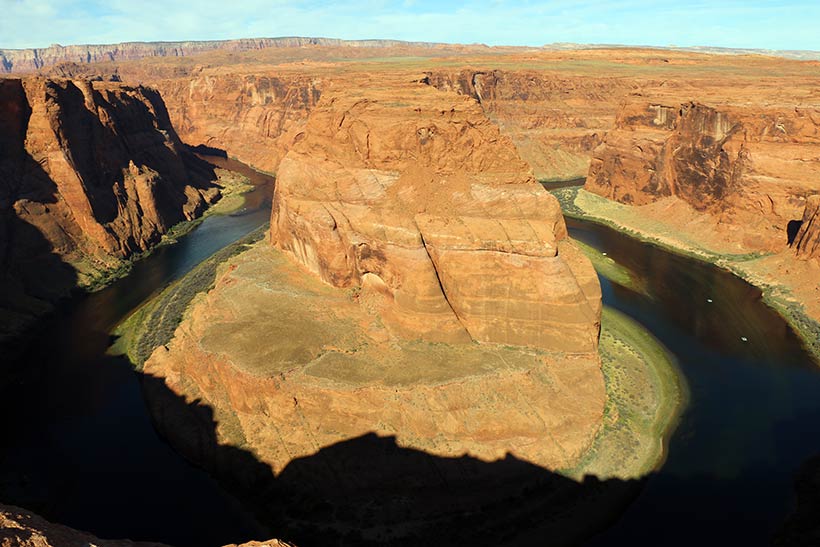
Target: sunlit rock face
(748, 167)
(414, 194)
(554, 120)
(254, 116)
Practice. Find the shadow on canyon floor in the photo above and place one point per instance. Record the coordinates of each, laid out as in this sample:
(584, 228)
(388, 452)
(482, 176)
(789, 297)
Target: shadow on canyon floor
(371, 490)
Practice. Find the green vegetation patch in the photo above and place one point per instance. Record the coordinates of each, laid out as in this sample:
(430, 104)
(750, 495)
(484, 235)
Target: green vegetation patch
(646, 393)
(153, 324)
(608, 268)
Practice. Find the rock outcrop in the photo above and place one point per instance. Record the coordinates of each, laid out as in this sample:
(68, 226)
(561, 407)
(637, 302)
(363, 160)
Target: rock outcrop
(21, 528)
(90, 173)
(415, 196)
(747, 167)
(807, 242)
(354, 392)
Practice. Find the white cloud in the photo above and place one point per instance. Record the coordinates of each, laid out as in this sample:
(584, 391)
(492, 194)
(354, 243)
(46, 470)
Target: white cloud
(36, 23)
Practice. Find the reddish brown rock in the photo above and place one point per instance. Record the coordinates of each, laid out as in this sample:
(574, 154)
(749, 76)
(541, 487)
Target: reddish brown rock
(747, 167)
(422, 232)
(254, 117)
(807, 241)
(414, 195)
(90, 174)
(21, 528)
(554, 120)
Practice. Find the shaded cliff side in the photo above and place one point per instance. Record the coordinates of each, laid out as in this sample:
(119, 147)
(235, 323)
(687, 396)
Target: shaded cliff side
(749, 168)
(90, 174)
(807, 240)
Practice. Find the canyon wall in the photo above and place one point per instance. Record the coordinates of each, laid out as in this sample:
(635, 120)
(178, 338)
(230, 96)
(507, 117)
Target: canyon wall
(90, 174)
(253, 117)
(807, 240)
(27, 60)
(748, 167)
(555, 121)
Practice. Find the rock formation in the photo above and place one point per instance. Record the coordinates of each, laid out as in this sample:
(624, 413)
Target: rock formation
(26, 60)
(419, 198)
(807, 242)
(89, 175)
(748, 167)
(20, 528)
(255, 117)
(422, 232)
(555, 121)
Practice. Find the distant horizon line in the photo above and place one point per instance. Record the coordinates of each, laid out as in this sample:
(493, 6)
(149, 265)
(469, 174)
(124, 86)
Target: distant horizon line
(551, 45)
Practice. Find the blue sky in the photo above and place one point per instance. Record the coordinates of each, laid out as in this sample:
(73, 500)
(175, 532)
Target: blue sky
(790, 24)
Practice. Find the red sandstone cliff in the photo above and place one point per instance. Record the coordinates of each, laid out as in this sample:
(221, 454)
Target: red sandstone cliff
(749, 167)
(89, 175)
(415, 195)
(555, 121)
(254, 117)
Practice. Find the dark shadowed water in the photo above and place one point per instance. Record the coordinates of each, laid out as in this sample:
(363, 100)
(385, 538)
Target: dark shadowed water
(754, 412)
(78, 445)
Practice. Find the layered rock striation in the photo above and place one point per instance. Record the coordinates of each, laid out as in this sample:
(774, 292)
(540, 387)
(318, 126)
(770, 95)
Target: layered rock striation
(419, 199)
(555, 121)
(749, 168)
(90, 174)
(253, 117)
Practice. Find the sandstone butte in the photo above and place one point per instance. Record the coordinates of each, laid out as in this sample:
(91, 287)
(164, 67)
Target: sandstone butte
(91, 174)
(424, 289)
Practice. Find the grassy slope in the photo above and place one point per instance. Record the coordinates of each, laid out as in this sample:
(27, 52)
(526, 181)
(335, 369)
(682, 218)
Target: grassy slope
(154, 323)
